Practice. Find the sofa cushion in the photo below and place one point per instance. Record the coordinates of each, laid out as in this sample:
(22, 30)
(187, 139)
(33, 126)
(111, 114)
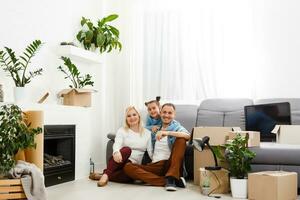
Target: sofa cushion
(222, 112)
(186, 115)
(276, 154)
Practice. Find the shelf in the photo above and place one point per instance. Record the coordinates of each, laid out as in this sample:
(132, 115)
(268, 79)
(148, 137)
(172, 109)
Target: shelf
(80, 54)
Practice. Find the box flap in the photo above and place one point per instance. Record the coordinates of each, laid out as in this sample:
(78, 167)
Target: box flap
(276, 129)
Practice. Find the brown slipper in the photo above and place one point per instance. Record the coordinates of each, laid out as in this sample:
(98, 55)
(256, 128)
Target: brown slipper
(95, 176)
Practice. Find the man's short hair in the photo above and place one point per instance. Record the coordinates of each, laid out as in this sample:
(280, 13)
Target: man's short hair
(168, 104)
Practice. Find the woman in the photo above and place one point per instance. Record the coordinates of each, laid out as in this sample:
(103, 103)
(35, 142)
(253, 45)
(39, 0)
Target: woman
(131, 142)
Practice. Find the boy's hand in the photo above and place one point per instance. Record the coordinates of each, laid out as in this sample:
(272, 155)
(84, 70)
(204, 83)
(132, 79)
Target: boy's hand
(154, 129)
(161, 134)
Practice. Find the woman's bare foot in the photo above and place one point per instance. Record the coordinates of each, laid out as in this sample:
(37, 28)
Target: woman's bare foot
(103, 180)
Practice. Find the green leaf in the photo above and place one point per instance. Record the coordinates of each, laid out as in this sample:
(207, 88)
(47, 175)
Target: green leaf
(111, 18)
(100, 39)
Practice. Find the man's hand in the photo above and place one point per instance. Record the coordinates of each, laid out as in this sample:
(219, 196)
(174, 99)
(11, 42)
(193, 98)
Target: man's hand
(117, 157)
(154, 129)
(161, 134)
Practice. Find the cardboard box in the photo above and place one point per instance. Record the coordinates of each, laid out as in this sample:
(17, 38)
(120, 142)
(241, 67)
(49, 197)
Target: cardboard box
(77, 97)
(254, 137)
(218, 136)
(287, 134)
(272, 185)
(218, 180)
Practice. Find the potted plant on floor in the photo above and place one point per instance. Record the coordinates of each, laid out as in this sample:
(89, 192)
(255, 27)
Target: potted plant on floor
(77, 95)
(15, 135)
(239, 159)
(103, 36)
(17, 67)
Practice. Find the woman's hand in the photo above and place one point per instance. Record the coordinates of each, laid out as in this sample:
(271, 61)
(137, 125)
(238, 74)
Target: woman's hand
(161, 134)
(154, 129)
(117, 157)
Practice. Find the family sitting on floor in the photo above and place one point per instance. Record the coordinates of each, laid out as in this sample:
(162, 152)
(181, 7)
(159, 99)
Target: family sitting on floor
(163, 138)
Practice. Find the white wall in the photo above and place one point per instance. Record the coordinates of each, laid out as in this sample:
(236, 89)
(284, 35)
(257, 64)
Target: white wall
(277, 47)
(53, 22)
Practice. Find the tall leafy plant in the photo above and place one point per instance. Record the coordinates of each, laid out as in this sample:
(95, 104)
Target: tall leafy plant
(72, 73)
(103, 35)
(17, 67)
(15, 134)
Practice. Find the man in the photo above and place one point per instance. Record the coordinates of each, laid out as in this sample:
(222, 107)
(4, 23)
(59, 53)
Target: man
(169, 149)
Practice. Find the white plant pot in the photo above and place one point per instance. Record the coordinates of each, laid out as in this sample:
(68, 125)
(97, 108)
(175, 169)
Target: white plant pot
(238, 187)
(20, 94)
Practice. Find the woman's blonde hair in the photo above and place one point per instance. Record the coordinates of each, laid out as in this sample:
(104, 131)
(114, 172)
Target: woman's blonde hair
(140, 124)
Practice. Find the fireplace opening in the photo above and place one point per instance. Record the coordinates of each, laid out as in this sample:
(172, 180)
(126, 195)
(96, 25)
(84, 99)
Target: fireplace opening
(59, 154)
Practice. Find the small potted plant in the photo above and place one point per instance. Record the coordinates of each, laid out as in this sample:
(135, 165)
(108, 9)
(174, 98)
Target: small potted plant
(239, 159)
(102, 36)
(17, 67)
(15, 135)
(76, 95)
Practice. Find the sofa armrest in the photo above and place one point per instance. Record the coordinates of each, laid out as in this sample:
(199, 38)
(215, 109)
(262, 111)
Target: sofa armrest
(111, 136)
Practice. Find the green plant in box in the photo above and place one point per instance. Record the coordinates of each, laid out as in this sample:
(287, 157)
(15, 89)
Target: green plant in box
(72, 73)
(15, 135)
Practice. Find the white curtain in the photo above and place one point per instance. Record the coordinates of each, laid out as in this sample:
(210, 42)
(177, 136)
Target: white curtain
(189, 50)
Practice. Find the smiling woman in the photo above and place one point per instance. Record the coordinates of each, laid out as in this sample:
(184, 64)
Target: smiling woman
(131, 142)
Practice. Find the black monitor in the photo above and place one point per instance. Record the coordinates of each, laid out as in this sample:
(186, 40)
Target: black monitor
(264, 117)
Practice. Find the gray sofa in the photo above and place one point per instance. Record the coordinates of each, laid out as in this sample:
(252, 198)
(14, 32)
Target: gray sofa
(230, 112)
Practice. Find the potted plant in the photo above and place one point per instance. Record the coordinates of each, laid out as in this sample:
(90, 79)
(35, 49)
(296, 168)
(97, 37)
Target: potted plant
(17, 67)
(102, 36)
(15, 135)
(76, 96)
(239, 159)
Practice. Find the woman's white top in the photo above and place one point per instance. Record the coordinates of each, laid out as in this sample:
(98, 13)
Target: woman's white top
(138, 142)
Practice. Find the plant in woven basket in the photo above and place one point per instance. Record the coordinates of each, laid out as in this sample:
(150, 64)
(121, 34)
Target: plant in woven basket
(15, 135)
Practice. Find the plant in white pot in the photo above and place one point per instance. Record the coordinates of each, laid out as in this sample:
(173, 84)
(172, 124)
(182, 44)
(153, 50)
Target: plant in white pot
(239, 159)
(17, 67)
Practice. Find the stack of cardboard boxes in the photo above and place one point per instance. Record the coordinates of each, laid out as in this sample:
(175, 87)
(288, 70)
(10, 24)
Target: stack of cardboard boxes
(261, 185)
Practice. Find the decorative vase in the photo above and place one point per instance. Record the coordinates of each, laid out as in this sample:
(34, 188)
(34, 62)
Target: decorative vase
(20, 94)
(1, 94)
(238, 187)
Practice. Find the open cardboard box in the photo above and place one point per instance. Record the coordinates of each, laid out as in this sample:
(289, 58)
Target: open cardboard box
(77, 97)
(287, 134)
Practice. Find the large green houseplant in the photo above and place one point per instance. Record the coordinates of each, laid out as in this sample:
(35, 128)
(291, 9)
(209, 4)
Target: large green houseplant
(102, 36)
(17, 67)
(15, 135)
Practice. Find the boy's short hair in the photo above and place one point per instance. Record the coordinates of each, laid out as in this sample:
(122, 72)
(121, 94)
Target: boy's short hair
(169, 104)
